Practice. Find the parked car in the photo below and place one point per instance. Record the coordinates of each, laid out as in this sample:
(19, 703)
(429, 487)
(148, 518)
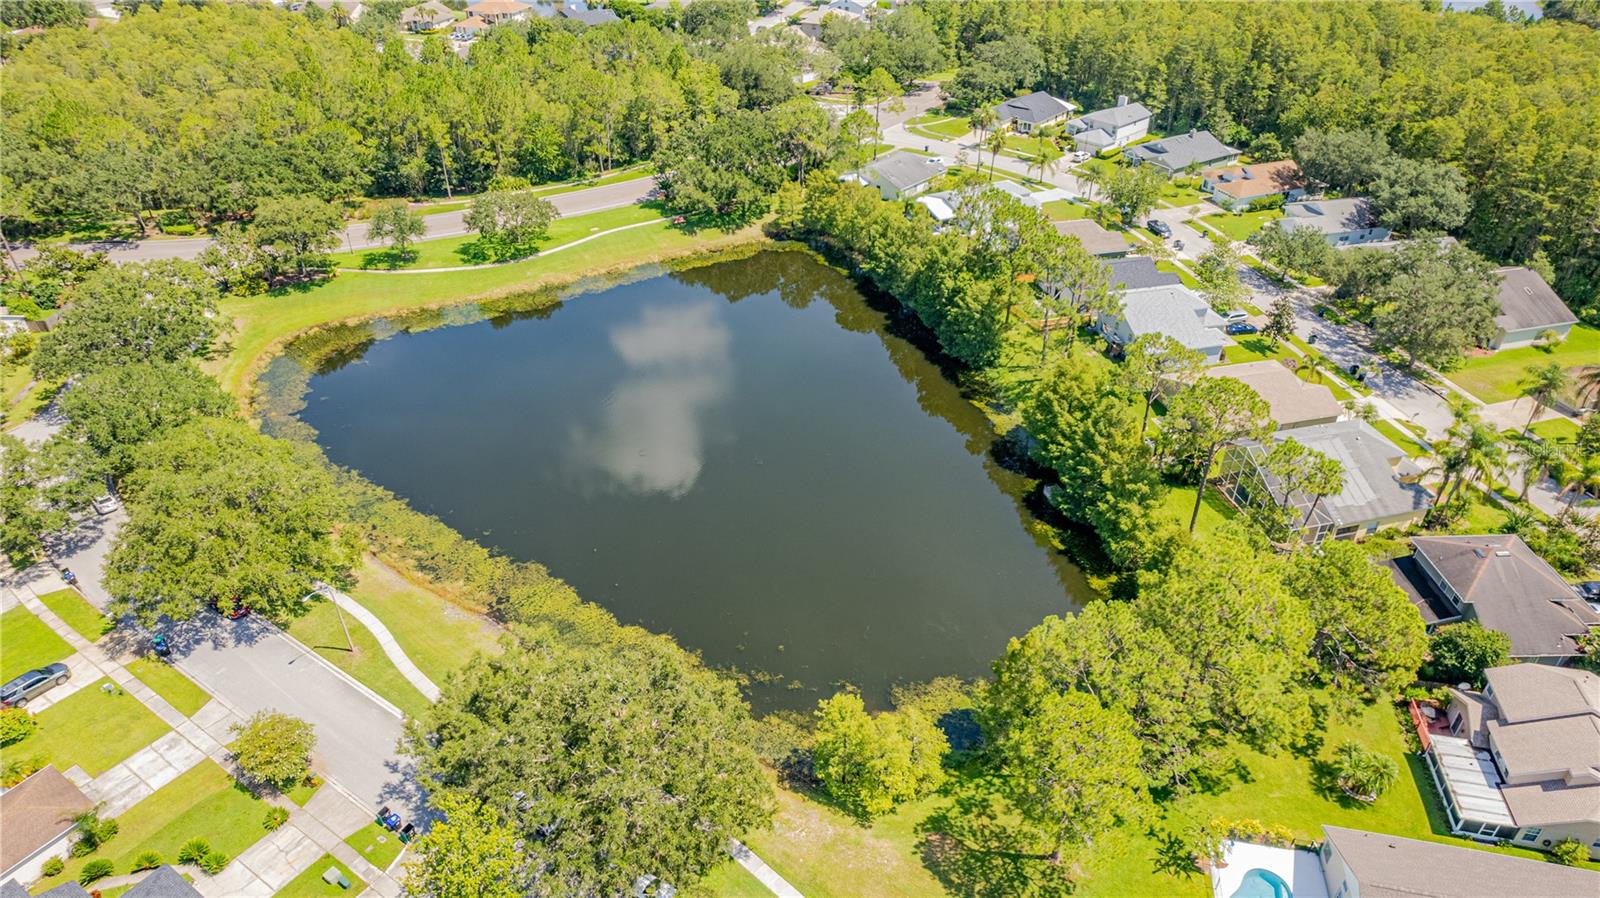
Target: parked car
(1241, 327)
(106, 504)
(1158, 227)
(1237, 316)
(239, 609)
(34, 683)
(1080, 156)
(1589, 590)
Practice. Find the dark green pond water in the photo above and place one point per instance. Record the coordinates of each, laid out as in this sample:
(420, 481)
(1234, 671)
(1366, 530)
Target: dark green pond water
(740, 454)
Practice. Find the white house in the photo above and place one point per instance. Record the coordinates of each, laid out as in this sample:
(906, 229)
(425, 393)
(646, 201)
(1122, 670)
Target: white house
(1174, 310)
(496, 11)
(1117, 126)
(901, 174)
(1359, 864)
(1351, 221)
(429, 16)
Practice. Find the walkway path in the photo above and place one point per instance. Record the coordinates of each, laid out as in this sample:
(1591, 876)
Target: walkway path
(758, 868)
(385, 639)
(539, 255)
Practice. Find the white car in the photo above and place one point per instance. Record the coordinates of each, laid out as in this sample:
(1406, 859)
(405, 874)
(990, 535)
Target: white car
(106, 504)
(1080, 156)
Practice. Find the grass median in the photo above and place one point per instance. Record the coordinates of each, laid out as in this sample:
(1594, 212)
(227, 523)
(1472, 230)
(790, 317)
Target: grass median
(468, 249)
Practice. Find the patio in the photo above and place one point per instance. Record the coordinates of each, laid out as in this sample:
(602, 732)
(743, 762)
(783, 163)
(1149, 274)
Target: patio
(1470, 783)
(1299, 868)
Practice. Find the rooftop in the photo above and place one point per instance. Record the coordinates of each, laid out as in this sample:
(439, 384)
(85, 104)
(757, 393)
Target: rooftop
(1119, 116)
(1525, 692)
(36, 812)
(497, 7)
(1526, 301)
(1035, 108)
(589, 16)
(1138, 272)
(1260, 179)
(1180, 151)
(1294, 402)
(903, 170)
(1512, 590)
(1373, 489)
(1097, 241)
(1330, 216)
(1393, 867)
(163, 882)
(1176, 311)
(1433, 607)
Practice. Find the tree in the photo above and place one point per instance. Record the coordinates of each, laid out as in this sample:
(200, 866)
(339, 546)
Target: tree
(273, 748)
(628, 760)
(994, 143)
(220, 513)
(157, 311)
(1211, 413)
(1460, 653)
(804, 130)
(879, 88)
(1280, 320)
(981, 119)
(1541, 384)
(1218, 274)
(116, 410)
(512, 221)
(1362, 773)
(1366, 633)
(1134, 190)
(1154, 359)
(41, 491)
(856, 139)
(1072, 770)
(1433, 301)
(1344, 160)
(471, 853)
(1538, 457)
(1299, 251)
(1414, 195)
(47, 279)
(870, 763)
(1295, 470)
(295, 232)
(395, 222)
(728, 167)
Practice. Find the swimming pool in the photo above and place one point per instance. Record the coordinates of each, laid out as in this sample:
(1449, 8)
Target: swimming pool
(1259, 883)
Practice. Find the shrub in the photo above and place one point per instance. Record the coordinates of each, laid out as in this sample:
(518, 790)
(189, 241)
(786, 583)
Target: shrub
(13, 772)
(1363, 774)
(1462, 652)
(53, 867)
(16, 724)
(273, 747)
(92, 832)
(147, 860)
(99, 868)
(213, 862)
(1265, 203)
(275, 818)
(1570, 852)
(193, 851)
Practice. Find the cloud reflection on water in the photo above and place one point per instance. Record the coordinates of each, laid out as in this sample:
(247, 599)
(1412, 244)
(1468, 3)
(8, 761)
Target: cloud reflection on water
(651, 433)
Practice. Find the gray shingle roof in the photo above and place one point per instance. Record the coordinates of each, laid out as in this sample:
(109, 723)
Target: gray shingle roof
(1175, 311)
(10, 889)
(1330, 216)
(1372, 489)
(1392, 867)
(903, 170)
(1180, 151)
(1138, 272)
(1035, 108)
(163, 882)
(1511, 589)
(65, 890)
(1115, 116)
(1526, 301)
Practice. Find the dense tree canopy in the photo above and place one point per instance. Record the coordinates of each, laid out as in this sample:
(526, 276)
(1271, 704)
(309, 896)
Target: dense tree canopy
(157, 312)
(115, 410)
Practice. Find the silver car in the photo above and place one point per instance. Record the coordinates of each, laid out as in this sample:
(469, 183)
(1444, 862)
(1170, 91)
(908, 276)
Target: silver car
(32, 684)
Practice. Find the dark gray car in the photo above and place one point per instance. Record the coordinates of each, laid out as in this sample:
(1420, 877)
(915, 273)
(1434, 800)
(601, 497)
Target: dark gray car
(16, 693)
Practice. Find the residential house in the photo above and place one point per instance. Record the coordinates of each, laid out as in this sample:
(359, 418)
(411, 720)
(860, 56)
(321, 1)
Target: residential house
(858, 9)
(1118, 126)
(69, 889)
(1528, 308)
(350, 11)
(1097, 241)
(162, 882)
(1380, 481)
(429, 16)
(810, 23)
(1031, 111)
(469, 28)
(588, 15)
(900, 174)
(1496, 580)
(1174, 310)
(1138, 272)
(1520, 761)
(495, 12)
(1343, 222)
(1294, 402)
(942, 206)
(1359, 864)
(38, 823)
(1017, 191)
(1178, 154)
(1235, 187)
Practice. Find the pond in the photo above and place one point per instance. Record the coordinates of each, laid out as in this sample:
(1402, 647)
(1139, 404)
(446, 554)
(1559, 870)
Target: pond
(741, 454)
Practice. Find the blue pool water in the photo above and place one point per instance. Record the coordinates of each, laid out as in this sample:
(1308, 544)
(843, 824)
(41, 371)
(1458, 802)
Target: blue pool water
(1262, 884)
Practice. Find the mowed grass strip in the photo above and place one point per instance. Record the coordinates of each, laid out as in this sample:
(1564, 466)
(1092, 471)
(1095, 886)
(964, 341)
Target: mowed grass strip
(437, 636)
(467, 249)
(319, 629)
(90, 622)
(379, 846)
(310, 884)
(91, 728)
(1498, 377)
(169, 683)
(27, 642)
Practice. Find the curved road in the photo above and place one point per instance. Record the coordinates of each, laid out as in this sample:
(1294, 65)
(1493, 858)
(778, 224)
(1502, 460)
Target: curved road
(443, 224)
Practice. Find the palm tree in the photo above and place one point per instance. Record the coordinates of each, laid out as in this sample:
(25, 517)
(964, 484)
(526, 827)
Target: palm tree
(1543, 383)
(1538, 456)
(994, 143)
(981, 120)
(1583, 476)
(1588, 384)
(1483, 454)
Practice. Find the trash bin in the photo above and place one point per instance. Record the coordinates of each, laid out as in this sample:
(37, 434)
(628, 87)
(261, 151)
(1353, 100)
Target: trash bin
(335, 876)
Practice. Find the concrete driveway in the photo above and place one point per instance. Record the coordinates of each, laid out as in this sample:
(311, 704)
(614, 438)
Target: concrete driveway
(444, 224)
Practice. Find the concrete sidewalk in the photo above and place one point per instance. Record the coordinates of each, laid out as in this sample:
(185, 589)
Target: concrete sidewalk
(401, 660)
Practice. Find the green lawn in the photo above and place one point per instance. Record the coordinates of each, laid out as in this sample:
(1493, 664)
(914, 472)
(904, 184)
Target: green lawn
(728, 880)
(437, 636)
(1182, 192)
(167, 682)
(18, 411)
(1184, 276)
(310, 885)
(302, 791)
(319, 629)
(447, 252)
(27, 642)
(1255, 348)
(1099, 165)
(379, 846)
(90, 729)
(90, 622)
(1242, 226)
(203, 802)
(632, 173)
(1214, 511)
(1065, 210)
(1497, 377)
(1555, 430)
(1400, 438)
(263, 323)
(939, 126)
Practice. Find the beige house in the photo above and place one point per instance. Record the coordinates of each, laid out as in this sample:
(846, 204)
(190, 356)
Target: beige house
(1294, 402)
(1520, 760)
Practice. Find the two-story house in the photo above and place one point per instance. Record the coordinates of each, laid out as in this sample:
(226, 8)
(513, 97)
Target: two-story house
(1117, 126)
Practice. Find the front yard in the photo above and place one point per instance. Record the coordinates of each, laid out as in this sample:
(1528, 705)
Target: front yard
(1244, 225)
(91, 728)
(27, 642)
(311, 885)
(379, 846)
(1497, 377)
(90, 622)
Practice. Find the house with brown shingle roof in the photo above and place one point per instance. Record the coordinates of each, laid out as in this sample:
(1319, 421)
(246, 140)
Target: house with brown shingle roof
(1235, 187)
(496, 11)
(38, 823)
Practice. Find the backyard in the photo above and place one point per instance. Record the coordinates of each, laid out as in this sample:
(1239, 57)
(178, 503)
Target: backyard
(1497, 377)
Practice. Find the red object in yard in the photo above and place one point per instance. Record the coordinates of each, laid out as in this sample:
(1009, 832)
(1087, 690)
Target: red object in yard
(677, 219)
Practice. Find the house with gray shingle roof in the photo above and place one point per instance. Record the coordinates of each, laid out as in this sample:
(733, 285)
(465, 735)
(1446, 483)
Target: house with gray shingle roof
(1376, 865)
(1350, 221)
(1117, 126)
(1137, 272)
(1528, 308)
(900, 174)
(1181, 152)
(1035, 110)
(162, 882)
(1174, 310)
(588, 15)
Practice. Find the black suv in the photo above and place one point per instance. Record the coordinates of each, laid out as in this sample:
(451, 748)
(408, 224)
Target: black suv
(16, 693)
(1158, 227)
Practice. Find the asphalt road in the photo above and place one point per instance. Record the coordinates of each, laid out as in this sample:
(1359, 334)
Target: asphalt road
(444, 224)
